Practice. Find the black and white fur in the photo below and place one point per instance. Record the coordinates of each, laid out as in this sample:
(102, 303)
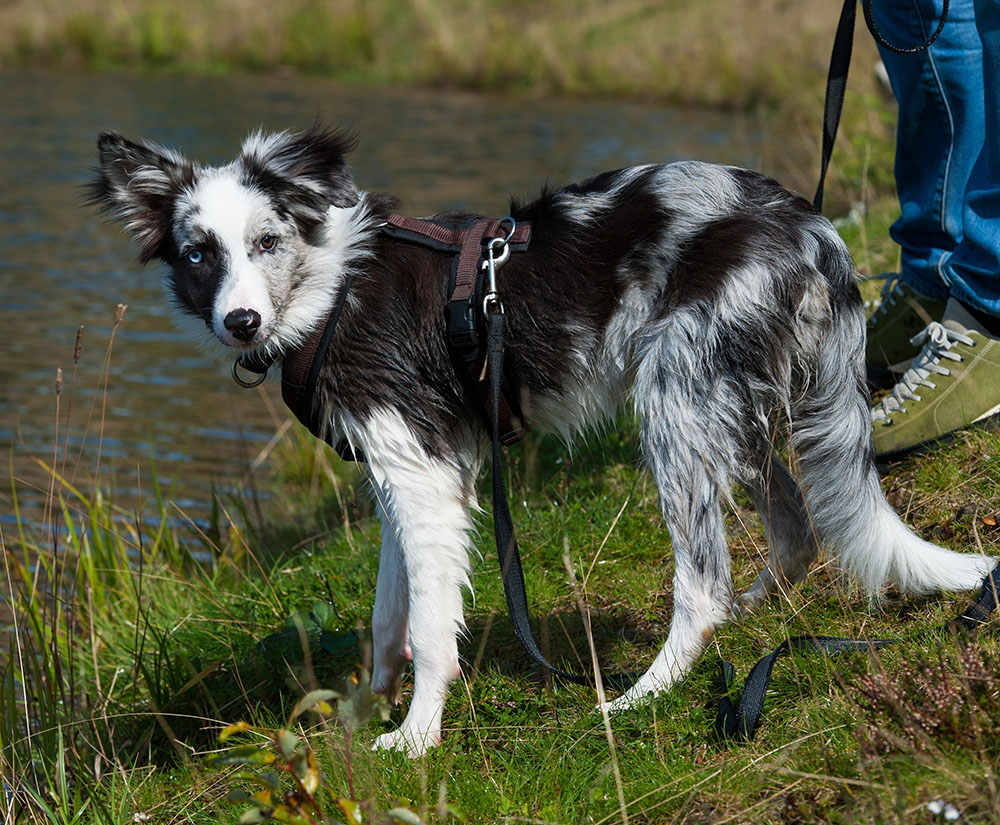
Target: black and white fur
(715, 304)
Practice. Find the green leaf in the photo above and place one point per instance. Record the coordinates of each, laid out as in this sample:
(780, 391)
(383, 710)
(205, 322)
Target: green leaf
(350, 809)
(404, 815)
(451, 812)
(324, 616)
(253, 815)
(303, 619)
(360, 704)
(315, 699)
(243, 755)
(226, 732)
(287, 743)
(267, 780)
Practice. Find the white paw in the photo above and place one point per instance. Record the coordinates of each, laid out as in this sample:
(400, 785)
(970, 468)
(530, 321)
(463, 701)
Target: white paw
(632, 698)
(411, 743)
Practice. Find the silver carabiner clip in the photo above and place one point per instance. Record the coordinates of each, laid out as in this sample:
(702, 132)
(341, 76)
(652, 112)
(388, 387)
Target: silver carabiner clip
(491, 301)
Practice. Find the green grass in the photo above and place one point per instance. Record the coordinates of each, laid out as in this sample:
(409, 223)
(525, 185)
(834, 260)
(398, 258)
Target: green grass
(768, 53)
(138, 642)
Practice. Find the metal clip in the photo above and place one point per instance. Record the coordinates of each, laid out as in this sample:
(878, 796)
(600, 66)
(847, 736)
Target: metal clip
(491, 301)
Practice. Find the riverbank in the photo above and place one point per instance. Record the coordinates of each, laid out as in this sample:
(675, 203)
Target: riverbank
(767, 53)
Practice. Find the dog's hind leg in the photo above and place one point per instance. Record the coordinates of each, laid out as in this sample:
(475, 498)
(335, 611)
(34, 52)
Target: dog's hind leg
(688, 457)
(790, 536)
(426, 503)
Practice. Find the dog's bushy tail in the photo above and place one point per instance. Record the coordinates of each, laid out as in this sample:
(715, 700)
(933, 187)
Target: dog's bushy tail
(831, 440)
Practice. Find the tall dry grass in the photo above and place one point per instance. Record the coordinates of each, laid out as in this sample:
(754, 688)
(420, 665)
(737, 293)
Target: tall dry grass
(713, 52)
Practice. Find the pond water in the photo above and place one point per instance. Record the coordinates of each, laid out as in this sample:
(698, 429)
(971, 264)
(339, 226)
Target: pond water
(62, 267)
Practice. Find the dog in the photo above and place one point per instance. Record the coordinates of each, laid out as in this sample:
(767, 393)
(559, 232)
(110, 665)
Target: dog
(715, 304)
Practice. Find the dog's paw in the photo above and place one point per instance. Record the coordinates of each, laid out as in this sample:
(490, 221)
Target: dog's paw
(747, 603)
(627, 701)
(412, 744)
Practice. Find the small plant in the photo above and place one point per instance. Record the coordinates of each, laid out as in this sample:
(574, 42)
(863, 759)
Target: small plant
(927, 702)
(292, 788)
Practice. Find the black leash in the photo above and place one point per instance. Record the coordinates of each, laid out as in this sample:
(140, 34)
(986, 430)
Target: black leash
(840, 62)
(740, 720)
(503, 527)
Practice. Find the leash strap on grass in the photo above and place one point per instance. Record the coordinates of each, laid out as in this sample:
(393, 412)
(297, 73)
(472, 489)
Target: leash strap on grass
(836, 81)
(740, 720)
(510, 557)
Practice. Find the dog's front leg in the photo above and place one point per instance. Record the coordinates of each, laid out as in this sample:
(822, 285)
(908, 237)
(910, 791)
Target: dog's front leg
(390, 628)
(424, 501)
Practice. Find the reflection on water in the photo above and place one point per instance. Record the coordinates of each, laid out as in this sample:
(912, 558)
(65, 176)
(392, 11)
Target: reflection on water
(62, 267)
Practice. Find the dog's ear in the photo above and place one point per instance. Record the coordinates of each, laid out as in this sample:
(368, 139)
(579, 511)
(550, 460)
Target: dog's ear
(306, 172)
(137, 184)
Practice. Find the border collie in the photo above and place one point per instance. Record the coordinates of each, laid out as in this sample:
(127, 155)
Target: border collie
(718, 306)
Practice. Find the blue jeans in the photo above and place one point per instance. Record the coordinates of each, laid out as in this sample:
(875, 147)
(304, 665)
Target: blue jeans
(947, 172)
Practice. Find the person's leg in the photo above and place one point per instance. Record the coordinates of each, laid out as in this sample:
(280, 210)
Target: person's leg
(973, 269)
(955, 379)
(940, 132)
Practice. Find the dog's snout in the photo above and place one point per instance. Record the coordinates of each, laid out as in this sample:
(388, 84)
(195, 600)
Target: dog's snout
(242, 323)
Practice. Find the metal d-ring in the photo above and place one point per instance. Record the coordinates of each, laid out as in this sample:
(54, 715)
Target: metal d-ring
(247, 385)
(513, 226)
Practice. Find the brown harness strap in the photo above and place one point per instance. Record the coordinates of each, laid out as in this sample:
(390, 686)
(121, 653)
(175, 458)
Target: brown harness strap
(468, 262)
(455, 236)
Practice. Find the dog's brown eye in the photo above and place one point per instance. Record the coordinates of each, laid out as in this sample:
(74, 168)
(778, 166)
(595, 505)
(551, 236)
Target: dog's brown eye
(268, 242)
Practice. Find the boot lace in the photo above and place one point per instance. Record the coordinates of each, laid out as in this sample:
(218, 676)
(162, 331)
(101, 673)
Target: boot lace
(936, 342)
(891, 289)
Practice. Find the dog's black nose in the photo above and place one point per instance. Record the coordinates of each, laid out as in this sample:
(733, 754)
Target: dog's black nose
(242, 323)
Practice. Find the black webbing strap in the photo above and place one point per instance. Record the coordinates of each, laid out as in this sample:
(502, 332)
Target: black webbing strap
(503, 526)
(840, 62)
(836, 85)
(740, 720)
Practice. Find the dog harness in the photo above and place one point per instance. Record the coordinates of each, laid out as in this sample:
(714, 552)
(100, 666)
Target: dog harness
(473, 245)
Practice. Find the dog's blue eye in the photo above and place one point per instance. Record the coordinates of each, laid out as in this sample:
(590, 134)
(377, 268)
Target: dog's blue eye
(195, 256)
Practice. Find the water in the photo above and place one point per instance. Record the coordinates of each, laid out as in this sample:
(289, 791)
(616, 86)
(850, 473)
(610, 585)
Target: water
(62, 267)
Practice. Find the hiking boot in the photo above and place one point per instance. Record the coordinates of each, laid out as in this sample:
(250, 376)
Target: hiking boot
(902, 314)
(953, 382)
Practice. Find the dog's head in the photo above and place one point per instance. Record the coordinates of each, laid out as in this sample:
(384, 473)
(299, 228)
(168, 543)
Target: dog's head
(238, 238)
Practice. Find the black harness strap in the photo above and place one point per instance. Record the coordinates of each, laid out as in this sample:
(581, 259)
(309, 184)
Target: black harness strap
(740, 720)
(463, 313)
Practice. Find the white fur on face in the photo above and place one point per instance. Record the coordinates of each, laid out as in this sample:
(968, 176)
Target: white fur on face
(237, 217)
